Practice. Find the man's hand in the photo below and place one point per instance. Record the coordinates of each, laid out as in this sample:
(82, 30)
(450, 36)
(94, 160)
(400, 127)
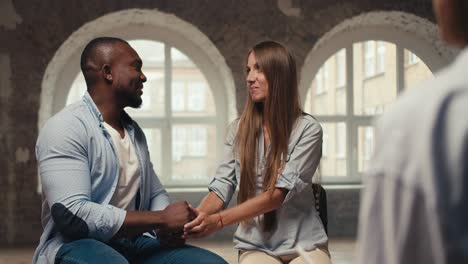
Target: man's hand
(176, 215)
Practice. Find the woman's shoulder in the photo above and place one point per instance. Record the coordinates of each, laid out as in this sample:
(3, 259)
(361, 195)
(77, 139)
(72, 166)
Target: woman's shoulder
(234, 124)
(308, 122)
(232, 131)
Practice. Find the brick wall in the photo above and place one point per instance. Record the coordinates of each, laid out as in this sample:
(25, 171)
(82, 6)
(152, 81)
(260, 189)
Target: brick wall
(32, 31)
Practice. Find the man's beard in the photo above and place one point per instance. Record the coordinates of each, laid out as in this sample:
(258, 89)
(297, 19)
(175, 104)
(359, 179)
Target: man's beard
(134, 101)
(132, 98)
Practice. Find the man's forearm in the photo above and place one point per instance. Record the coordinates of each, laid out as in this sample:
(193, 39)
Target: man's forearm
(139, 222)
(172, 218)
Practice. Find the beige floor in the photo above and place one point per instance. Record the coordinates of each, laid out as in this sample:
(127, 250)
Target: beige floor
(342, 251)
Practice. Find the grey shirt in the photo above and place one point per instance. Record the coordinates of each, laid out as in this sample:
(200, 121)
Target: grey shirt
(298, 221)
(415, 204)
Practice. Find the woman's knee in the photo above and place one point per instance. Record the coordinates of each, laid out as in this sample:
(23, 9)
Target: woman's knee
(317, 256)
(256, 257)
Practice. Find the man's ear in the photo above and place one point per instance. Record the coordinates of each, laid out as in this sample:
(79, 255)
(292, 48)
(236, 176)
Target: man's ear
(107, 72)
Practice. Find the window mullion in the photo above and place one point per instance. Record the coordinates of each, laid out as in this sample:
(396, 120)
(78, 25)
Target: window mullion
(351, 129)
(352, 150)
(400, 69)
(167, 127)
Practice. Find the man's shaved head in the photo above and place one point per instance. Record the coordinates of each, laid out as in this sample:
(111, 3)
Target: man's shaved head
(96, 53)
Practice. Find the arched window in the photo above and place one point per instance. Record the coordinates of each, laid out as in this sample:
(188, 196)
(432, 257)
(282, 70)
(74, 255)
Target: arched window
(178, 114)
(188, 99)
(352, 76)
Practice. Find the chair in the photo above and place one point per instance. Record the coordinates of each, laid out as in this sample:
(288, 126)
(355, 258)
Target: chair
(321, 204)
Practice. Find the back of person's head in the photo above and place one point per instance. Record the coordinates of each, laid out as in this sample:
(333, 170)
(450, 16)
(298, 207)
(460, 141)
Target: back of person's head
(461, 17)
(452, 19)
(95, 54)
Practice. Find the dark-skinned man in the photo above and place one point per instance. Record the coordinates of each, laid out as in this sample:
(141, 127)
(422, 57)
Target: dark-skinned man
(102, 201)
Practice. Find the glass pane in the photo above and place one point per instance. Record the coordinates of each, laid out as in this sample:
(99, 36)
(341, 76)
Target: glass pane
(191, 94)
(193, 158)
(153, 138)
(416, 70)
(381, 56)
(327, 93)
(369, 58)
(77, 89)
(366, 141)
(374, 72)
(152, 54)
(334, 147)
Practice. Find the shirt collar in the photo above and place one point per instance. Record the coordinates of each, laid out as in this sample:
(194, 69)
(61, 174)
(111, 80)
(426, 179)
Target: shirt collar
(92, 106)
(125, 118)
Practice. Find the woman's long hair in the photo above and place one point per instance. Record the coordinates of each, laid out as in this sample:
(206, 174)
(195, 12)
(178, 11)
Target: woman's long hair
(278, 112)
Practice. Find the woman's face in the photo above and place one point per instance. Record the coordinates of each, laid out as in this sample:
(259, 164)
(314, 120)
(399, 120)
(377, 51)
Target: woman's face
(257, 83)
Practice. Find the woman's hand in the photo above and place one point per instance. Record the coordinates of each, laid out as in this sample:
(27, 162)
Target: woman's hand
(204, 225)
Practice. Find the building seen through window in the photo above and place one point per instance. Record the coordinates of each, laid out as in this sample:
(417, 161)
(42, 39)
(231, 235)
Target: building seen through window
(346, 105)
(178, 114)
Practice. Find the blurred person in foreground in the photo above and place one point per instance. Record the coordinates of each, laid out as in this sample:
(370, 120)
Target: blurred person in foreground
(415, 203)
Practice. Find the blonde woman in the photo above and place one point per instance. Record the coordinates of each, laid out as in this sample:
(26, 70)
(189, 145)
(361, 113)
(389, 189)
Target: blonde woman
(271, 152)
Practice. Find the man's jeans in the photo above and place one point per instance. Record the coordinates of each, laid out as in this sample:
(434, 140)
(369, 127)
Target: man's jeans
(142, 249)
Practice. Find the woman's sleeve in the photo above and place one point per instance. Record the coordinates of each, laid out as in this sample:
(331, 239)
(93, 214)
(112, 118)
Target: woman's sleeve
(302, 160)
(224, 182)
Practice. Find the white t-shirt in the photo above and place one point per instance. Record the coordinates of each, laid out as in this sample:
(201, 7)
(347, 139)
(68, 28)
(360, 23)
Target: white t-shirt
(129, 177)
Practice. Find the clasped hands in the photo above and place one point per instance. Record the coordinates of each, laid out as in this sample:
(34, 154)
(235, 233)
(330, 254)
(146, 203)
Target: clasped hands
(184, 221)
(203, 225)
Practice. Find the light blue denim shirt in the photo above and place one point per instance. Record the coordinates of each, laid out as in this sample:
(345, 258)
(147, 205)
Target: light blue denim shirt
(79, 171)
(297, 220)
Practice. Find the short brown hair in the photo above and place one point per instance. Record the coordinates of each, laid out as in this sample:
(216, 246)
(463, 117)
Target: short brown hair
(461, 17)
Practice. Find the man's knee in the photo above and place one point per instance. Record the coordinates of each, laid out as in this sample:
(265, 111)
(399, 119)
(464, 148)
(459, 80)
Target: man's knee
(88, 251)
(203, 256)
(186, 254)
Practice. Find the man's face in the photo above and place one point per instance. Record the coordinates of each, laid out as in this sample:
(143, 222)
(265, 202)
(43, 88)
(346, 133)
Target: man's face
(128, 77)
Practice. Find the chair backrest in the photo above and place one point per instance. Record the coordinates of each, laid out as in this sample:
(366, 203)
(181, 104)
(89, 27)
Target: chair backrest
(321, 204)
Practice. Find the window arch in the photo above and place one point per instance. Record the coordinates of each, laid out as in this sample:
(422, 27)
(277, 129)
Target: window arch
(183, 53)
(355, 72)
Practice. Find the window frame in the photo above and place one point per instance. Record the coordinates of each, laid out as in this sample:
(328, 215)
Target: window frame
(150, 25)
(364, 28)
(354, 121)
